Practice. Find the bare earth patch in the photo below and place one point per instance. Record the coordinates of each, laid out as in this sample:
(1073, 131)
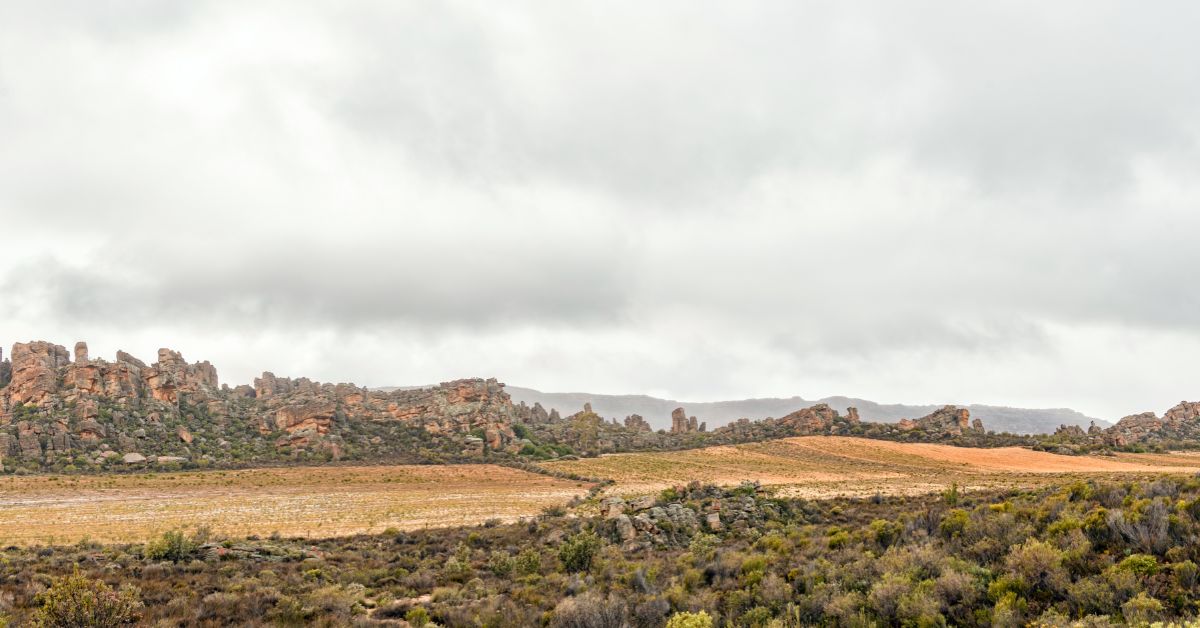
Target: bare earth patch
(298, 501)
(827, 466)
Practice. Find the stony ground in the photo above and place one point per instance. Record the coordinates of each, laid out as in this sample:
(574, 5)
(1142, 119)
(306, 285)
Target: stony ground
(829, 466)
(297, 501)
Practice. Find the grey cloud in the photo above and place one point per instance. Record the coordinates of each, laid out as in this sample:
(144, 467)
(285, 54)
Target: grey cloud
(676, 191)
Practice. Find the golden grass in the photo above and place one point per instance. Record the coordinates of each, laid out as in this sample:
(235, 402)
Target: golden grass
(334, 501)
(297, 501)
(825, 466)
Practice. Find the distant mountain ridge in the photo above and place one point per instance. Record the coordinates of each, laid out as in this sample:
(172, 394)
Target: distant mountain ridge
(716, 413)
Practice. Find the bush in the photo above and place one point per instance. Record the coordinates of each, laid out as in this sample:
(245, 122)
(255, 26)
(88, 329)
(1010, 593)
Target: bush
(501, 564)
(417, 616)
(173, 545)
(690, 620)
(590, 611)
(76, 600)
(1141, 610)
(577, 552)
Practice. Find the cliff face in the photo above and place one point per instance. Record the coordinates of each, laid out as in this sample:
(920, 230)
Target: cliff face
(91, 411)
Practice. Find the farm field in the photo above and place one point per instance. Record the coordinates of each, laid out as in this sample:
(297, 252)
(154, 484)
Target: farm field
(297, 501)
(830, 466)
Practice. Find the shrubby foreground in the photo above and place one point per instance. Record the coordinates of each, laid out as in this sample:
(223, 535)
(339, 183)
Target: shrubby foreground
(1085, 553)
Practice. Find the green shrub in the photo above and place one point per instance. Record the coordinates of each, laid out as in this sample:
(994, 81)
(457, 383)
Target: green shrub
(78, 601)
(417, 616)
(1141, 564)
(173, 545)
(954, 523)
(690, 620)
(501, 564)
(1141, 610)
(528, 562)
(577, 552)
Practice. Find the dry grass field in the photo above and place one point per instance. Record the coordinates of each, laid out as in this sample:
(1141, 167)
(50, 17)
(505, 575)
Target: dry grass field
(824, 466)
(333, 501)
(309, 501)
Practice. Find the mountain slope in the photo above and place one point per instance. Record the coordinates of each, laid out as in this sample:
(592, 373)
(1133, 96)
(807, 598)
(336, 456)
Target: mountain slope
(658, 411)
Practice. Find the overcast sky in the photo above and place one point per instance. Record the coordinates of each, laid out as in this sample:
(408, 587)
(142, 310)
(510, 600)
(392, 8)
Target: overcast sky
(908, 202)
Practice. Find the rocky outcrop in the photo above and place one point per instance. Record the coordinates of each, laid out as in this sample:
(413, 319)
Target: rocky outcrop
(35, 376)
(948, 420)
(310, 416)
(1180, 423)
(679, 422)
(172, 376)
(1183, 417)
(637, 423)
(59, 405)
(819, 419)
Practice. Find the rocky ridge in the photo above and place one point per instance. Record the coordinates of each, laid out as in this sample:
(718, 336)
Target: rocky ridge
(1178, 425)
(81, 411)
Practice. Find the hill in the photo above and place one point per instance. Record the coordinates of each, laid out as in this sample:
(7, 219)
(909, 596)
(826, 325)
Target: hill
(658, 411)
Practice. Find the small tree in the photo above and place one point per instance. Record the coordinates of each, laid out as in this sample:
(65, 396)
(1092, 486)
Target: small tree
(77, 600)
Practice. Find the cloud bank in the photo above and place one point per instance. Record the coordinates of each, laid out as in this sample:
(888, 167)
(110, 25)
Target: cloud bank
(915, 203)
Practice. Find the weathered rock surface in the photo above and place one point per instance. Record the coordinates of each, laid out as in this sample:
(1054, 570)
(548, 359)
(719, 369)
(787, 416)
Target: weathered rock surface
(819, 419)
(950, 420)
(35, 367)
(637, 423)
(58, 405)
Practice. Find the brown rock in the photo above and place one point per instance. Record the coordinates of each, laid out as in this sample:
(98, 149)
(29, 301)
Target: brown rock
(130, 360)
(948, 420)
(90, 430)
(171, 375)
(637, 423)
(679, 421)
(184, 435)
(314, 416)
(818, 419)
(81, 353)
(625, 528)
(35, 372)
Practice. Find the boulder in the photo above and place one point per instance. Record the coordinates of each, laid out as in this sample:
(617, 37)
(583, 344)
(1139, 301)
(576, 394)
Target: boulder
(133, 458)
(625, 528)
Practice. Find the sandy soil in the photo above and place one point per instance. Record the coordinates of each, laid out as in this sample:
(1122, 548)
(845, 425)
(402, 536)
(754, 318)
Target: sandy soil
(824, 466)
(318, 501)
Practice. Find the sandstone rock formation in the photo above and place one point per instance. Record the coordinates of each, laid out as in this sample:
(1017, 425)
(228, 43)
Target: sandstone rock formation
(637, 423)
(950, 420)
(57, 405)
(35, 368)
(678, 421)
(818, 419)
